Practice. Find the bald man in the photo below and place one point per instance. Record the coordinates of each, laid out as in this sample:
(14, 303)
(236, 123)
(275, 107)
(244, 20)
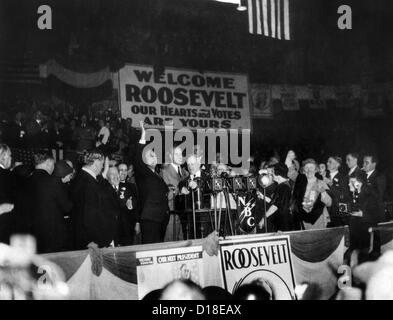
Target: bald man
(198, 183)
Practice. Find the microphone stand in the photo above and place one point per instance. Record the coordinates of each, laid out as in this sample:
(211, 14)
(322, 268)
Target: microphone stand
(193, 212)
(264, 205)
(215, 210)
(228, 205)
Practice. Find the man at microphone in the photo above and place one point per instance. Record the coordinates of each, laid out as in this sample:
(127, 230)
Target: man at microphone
(196, 182)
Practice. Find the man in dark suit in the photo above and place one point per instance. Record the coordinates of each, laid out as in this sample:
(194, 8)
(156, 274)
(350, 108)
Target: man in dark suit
(365, 211)
(47, 202)
(84, 135)
(129, 199)
(37, 132)
(352, 163)
(338, 190)
(153, 193)
(7, 193)
(16, 132)
(172, 174)
(123, 201)
(375, 179)
(92, 223)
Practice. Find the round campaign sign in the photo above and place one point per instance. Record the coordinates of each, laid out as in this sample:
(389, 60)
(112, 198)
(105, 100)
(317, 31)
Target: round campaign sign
(271, 281)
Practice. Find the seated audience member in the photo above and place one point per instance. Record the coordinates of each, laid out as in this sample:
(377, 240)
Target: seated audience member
(102, 136)
(91, 222)
(310, 199)
(84, 135)
(37, 132)
(182, 290)
(16, 136)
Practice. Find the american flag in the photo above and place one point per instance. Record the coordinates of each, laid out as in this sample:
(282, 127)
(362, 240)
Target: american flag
(269, 18)
(19, 71)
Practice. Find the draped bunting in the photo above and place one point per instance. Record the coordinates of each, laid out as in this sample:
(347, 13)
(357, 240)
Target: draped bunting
(316, 257)
(316, 246)
(75, 79)
(321, 276)
(78, 96)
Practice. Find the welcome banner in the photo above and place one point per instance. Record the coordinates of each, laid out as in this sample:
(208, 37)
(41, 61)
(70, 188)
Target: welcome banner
(188, 98)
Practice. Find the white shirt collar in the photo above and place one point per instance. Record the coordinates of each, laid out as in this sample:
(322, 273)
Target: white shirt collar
(333, 174)
(1, 166)
(352, 170)
(89, 172)
(370, 173)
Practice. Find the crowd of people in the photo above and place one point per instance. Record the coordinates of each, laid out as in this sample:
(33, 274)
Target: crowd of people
(315, 195)
(67, 130)
(66, 205)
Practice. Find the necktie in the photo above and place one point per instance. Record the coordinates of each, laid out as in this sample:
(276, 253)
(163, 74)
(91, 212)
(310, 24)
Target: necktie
(179, 171)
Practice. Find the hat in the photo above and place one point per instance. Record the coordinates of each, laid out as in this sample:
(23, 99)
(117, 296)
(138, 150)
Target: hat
(62, 169)
(280, 170)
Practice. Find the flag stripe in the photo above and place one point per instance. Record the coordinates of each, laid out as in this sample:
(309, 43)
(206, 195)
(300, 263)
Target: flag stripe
(273, 17)
(259, 27)
(265, 18)
(250, 18)
(269, 18)
(286, 20)
(279, 19)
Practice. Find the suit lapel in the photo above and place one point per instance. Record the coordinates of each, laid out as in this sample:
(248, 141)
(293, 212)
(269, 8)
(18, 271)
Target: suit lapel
(372, 176)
